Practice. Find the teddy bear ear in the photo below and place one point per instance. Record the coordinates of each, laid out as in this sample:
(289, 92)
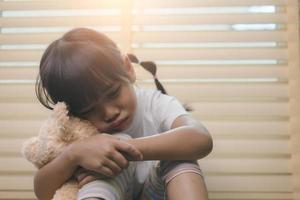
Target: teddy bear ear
(60, 107)
(60, 110)
(61, 118)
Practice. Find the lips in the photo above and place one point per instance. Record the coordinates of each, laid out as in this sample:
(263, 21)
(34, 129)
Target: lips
(118, 123)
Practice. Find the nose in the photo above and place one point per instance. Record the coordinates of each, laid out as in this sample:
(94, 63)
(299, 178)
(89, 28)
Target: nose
(111, 113)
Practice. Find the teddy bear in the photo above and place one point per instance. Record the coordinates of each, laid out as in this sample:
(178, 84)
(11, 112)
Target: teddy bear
(58, 131)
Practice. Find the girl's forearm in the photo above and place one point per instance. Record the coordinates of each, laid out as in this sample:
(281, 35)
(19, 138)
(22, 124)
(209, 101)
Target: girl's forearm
(49, 178)
(183, 143)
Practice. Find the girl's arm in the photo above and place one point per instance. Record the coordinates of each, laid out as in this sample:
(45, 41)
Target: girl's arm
(101, 153)
(50, 177)
(187, 140)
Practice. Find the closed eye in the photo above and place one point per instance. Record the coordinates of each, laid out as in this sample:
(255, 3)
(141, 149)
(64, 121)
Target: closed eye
(115, 93)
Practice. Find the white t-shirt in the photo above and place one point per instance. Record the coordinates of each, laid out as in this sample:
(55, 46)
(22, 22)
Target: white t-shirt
(154, 114)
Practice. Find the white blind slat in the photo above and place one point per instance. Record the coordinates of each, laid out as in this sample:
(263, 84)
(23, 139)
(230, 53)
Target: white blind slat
(38, 38)
(185, 92)
(193, 3)
(247, 165)
(246, 129)
(250, 195)
(168, 54)
(209, 19)
(57, 4)
(207, 54)
(60, 21)
(175, 72)
(209, 36)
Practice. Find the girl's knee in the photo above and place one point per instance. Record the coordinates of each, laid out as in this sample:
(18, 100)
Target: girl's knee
(188, 186)
(171, 169)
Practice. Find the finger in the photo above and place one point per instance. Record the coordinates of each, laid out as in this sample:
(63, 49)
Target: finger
(120, 159)
(98, 175)
(113, 166)
(79, 173)
(105, 171)
(81, 176)
(86, 180)
(129, 149)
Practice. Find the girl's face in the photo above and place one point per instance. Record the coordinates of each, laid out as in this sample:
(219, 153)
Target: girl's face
(115, 111)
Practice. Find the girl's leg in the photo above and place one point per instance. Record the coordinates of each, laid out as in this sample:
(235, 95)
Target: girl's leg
(111, 188)
(174, 180)
(183, 180)
(187, 186)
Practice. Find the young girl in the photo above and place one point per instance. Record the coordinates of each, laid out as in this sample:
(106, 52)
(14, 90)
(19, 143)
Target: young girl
(86, 70)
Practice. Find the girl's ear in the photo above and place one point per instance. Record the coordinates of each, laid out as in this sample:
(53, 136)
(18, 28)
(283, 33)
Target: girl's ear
(129, 68)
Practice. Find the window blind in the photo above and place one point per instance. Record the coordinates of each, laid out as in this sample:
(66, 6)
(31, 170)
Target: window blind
(233, 61)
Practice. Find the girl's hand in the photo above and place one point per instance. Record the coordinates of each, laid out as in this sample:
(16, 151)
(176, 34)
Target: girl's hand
(84, 176)
(104, 154)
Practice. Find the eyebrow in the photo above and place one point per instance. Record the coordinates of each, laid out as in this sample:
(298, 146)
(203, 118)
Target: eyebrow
(110, 90)
(114, 89)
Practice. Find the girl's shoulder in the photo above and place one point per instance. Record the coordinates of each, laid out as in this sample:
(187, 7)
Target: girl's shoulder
(153, 99)
(149, 96)
(149, 93)
(160, 108)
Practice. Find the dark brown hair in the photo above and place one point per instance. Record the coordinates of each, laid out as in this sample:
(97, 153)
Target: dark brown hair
(151, 67)
(77, 67)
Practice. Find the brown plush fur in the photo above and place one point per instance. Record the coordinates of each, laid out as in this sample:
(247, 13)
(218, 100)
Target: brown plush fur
(56, 133)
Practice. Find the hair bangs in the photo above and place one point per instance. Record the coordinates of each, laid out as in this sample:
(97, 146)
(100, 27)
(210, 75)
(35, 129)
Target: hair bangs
(78, 68)
(88, 72)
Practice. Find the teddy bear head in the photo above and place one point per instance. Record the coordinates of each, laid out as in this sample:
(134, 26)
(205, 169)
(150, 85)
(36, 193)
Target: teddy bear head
(56, 133)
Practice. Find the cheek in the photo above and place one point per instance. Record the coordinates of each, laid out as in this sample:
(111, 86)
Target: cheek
(134, 100)
(129, 103)
(96, 121)
(132, 103)
(99, 126)
(128, 99)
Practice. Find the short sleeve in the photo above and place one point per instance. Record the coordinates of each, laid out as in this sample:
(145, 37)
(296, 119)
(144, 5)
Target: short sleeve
(165, 109)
